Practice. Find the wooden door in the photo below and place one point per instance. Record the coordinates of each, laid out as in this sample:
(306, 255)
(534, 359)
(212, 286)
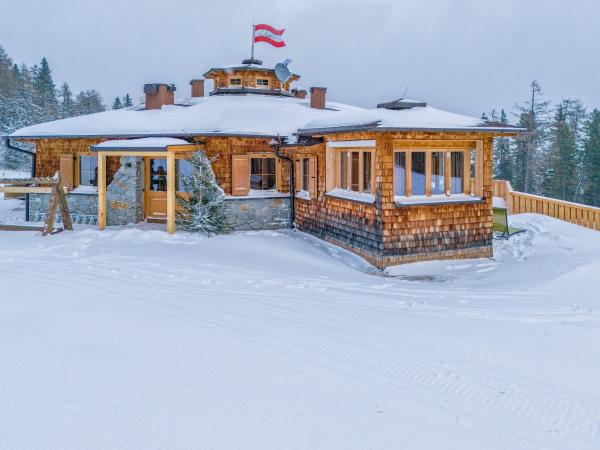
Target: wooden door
(155, 189)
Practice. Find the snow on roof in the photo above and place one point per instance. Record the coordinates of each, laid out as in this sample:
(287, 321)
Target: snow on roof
(254, 115)
(153, 142)
(415, 118)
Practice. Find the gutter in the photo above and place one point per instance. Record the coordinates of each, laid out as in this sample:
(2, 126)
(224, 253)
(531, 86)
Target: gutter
(276, 146)
(144, 135)
(33, 164)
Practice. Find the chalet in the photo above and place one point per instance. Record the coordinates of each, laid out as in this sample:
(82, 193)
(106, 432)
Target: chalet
(398, 183)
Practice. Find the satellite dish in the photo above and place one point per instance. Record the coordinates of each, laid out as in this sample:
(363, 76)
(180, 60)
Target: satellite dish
(282, 72)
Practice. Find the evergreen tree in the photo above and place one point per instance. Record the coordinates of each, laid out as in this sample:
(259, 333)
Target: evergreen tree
(591, 160)
(127, 101)
(560, 178)
(67, 104)
(203, 210)
(484, 116)
(45, 91)
(88, 102)
(503, 154)
(531, 145)
(117, 103)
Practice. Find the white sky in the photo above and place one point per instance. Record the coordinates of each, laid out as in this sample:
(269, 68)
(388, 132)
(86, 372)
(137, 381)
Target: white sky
(467, 56)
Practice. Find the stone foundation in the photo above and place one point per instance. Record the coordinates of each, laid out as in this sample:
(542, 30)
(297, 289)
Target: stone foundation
(82, 206)
(258, 213)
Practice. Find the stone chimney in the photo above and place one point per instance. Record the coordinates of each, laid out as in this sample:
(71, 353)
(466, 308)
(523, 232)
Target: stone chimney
(299, 93)
(159, 94)
(197, 88)
(317, 97)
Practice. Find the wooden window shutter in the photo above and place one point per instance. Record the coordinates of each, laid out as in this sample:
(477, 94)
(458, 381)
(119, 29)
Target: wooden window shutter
(312, 176)
(240, 175)
(66, 170)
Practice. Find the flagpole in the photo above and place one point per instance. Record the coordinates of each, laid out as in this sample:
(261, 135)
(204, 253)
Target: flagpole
(252, 48)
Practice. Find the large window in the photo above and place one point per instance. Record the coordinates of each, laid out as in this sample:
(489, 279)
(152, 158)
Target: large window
(431, 172)
(355, 170)
(88, 170)
(262, 173)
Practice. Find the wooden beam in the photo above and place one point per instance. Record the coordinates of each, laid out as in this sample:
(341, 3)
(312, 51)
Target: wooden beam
(171, 193)
(26, 190)
(101, 190)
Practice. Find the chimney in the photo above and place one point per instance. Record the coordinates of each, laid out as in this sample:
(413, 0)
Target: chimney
(299, 93)
(317, 97)
(197, 88)
(159, 94)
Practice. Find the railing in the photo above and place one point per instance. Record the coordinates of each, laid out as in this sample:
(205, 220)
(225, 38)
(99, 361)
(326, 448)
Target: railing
(519, 202)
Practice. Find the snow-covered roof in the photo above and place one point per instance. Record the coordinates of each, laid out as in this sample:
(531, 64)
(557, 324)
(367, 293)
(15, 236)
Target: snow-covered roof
(141, 143)
(250, 115)
(232, 115)
(416, 118)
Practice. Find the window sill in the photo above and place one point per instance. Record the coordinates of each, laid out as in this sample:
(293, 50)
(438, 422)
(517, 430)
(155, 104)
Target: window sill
(435, 199)
(258, 194)
(85, 190)
(351, 195)
(304, 195)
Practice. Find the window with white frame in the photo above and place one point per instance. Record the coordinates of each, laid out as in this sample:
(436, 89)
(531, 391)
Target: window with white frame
(433, 172)
(354, 171)
(88, 170)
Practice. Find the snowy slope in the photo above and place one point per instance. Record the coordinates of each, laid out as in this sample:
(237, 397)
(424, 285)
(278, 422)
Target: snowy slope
(134, 339)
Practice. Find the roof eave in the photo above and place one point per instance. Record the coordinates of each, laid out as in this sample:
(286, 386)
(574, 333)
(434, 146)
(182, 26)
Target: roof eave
(359, 128)
(142, 135)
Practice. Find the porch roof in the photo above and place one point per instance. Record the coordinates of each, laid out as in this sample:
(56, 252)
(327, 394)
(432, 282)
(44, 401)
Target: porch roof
(141, 144)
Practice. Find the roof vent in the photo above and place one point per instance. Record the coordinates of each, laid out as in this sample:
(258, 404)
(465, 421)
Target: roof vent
(402, 103)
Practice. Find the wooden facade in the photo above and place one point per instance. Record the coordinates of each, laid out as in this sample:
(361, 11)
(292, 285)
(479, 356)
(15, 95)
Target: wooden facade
(386, 233)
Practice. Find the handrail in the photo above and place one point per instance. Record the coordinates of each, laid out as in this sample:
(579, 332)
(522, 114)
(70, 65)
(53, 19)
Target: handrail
(520, 202)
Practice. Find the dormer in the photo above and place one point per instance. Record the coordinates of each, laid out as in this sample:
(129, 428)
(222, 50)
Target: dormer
(250, 77)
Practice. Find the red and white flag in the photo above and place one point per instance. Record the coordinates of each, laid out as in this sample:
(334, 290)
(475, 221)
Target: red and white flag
(266, 33)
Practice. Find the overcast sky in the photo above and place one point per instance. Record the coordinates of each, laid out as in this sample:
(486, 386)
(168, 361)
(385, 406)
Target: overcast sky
(464, 55)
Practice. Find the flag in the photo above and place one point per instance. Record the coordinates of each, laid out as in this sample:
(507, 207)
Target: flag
(266, 33)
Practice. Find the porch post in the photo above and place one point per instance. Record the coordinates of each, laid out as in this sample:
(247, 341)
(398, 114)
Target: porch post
(101, 190)
(170, 192)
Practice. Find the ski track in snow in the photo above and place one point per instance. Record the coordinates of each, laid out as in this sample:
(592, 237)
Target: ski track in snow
(307, 317)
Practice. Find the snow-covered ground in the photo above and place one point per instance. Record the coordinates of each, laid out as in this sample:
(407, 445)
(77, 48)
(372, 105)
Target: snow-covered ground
(134, 339)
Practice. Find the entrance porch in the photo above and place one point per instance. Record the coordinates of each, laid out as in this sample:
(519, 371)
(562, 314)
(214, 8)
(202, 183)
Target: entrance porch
(160, 156)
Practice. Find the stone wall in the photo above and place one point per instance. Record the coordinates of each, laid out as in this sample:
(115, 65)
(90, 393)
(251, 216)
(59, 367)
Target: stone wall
(125, 195)
(258, 213)
(82, 206)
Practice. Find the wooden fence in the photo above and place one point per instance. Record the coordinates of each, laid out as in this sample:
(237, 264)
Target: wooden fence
(519, 202)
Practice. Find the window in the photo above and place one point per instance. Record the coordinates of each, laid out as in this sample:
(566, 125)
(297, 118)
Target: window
(400, 173)
(88, 170)
(418, 173)
(305, 165)
(235, 82)
(184, 170)
(158, 175)
(262, 173)
(431, 172)
(262, 82)
(355, 170)
(457, 172)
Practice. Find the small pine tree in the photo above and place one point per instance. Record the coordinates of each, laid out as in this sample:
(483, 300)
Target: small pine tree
(45, 91)
(503, 154)
(127, 102)
(117, 103)
(203, 210)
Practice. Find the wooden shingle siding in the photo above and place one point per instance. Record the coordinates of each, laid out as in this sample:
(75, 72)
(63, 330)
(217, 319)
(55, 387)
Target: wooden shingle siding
(387, 234)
